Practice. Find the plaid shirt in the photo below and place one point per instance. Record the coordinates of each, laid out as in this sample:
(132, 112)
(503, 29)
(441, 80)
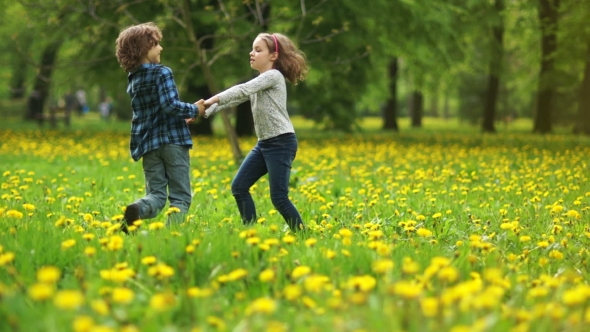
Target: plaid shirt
(158, 114)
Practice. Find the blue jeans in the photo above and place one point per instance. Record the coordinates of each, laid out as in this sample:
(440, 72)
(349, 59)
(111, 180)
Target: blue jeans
(275, 157)
(166, 172)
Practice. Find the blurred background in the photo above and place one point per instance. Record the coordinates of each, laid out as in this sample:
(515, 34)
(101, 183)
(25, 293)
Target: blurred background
(484, 63)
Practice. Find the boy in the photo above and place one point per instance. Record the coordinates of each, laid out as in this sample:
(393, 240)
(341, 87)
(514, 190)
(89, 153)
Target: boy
(159, 131)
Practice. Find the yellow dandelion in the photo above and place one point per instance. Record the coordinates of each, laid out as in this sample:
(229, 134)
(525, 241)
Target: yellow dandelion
(122, 295)
(29, 207)
(89, 251)
(267, 275)
(14, 214)
(156, 225)
(68, 299)
(162, 301)
(41, 292)
(161, 271)
(382, 266)
(409, 266)
(292, 292)
(363, 283)
(289, 239)
(345, 232)
(88, 236)
(48, 274)
(83, 324)
(198, 292)
(300, 271)
(262, 305)
(68, 243)
(216, 322)
(100, 307)
(423, 232)
(115, 243)
(237, 274)
(429, 306)
(149, 260)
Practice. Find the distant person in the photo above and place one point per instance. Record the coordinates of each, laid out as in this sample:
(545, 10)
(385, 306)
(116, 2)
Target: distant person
(276, 58)
(105, 108)
(81, 100)
(159, 130)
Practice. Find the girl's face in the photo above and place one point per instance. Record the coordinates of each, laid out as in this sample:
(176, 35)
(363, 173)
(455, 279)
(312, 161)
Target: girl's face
(153, 55)
(260, 57)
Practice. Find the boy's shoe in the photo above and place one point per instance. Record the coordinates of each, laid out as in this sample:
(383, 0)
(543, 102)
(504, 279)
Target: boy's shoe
(130, 216)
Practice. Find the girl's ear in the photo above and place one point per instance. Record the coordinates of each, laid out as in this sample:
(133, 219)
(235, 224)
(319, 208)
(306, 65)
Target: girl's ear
(274, 56)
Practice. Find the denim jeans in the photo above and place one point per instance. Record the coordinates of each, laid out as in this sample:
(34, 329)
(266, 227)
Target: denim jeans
(166, 168)
(275, 157)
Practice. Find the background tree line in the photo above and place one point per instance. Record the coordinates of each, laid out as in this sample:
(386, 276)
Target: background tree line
(480, 60)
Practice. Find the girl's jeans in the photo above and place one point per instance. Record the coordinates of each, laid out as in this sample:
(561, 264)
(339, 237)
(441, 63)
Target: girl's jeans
(275, 157)
(166, 172)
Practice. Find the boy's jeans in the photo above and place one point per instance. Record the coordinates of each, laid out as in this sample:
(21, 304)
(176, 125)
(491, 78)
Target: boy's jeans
(166, 168)
(275, 157)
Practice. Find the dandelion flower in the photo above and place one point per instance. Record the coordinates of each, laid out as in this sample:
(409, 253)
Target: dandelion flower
(41, 292)
(68, 299)
(262, 305)
(162, 301)
(48, 274)
(300, 271)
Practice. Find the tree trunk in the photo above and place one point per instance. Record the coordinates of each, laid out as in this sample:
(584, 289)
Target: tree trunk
(244, 120)
(446, 110)
(390, 111)
(417, 108)
(17, 83)
(202, 126)
(497, 53)
(434, 104)
(548, 10)
(20, 66)
(583, 125)
(43, 79)
(210, 79)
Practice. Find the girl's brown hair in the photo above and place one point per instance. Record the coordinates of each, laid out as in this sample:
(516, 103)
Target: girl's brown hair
(134, 42)
(291, 61)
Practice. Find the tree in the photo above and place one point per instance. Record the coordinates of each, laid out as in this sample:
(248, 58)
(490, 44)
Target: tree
(390, 111)
(496, 55)
(548, 17)
(583, 124)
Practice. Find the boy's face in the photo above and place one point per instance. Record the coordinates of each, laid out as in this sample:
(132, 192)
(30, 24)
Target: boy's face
(153, 55)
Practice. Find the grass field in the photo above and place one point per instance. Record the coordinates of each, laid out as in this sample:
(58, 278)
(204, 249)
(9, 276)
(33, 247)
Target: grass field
(433, 229)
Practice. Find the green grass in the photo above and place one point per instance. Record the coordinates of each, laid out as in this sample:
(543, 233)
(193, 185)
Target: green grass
(440, 228)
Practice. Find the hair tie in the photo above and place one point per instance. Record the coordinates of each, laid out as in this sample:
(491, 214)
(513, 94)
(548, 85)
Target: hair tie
(276, 43)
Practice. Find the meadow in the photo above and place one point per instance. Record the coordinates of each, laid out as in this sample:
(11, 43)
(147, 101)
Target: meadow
(436, 229)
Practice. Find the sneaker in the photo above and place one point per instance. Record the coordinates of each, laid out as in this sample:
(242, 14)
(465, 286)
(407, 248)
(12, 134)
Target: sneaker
(130, 216)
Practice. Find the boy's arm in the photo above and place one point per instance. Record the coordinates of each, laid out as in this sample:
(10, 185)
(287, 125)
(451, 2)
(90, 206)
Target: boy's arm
(169, 99)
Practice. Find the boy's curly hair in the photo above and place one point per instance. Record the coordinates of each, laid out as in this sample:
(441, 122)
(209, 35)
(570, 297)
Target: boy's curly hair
(291, 62)
(134, 42)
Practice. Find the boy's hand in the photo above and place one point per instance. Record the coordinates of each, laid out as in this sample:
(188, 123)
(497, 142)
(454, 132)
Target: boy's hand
(201, 105)
(188, 121)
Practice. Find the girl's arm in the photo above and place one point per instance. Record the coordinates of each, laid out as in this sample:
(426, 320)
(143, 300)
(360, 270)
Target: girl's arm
(242, 92)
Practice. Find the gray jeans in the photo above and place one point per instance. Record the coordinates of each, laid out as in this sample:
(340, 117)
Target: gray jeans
(166, 168)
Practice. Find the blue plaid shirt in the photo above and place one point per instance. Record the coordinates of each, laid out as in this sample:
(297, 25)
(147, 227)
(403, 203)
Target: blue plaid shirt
(158, 114)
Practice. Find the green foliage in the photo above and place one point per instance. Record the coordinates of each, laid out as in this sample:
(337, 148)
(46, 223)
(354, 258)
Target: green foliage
(349, 44)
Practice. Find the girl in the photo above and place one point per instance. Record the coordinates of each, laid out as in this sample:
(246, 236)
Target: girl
(276, 58)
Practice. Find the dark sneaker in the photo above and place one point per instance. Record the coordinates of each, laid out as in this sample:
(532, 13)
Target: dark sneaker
(131, 215)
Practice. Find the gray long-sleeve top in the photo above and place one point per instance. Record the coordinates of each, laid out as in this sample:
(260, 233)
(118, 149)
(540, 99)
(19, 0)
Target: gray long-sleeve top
(268, 96)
